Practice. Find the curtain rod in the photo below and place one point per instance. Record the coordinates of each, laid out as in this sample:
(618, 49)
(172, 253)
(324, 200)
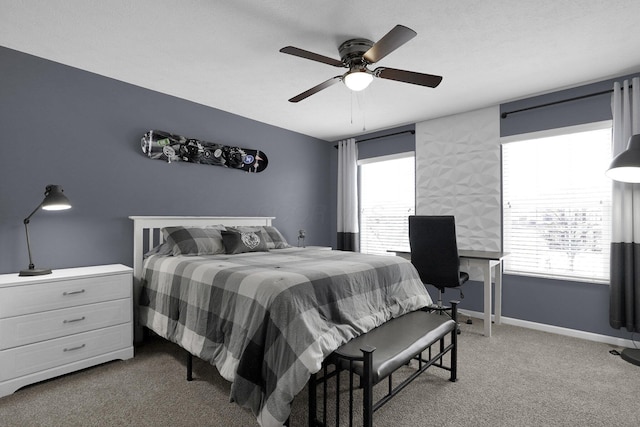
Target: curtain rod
(548, 104)
(412, 132)
(387, 135)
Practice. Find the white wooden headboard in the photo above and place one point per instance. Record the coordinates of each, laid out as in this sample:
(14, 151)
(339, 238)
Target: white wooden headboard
(146, 230)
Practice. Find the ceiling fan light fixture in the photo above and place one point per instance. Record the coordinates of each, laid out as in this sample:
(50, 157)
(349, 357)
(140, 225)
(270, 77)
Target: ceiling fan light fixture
(357, 55)
(357, 80)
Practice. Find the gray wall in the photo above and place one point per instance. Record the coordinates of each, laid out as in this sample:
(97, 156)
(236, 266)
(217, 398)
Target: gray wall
(386, 143)
(588, 109)
(61, 125)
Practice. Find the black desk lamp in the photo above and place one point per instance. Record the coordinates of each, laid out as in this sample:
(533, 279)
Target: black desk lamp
(54, 200)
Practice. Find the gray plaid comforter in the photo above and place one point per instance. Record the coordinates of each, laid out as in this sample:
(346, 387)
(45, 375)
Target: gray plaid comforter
(267, 320)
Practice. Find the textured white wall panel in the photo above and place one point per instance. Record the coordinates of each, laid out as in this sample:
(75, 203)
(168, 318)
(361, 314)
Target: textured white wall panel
(458, 173)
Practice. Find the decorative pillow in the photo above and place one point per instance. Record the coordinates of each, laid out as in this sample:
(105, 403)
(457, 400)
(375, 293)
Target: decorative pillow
(275, 239)
(272, 237)
(238, 242)
(195, 240)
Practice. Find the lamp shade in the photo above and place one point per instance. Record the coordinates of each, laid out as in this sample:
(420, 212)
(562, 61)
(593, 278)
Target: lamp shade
(625, 167)
(357, 80)
(54, 199)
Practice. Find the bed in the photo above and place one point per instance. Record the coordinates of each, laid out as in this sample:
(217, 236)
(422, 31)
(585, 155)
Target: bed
(268, 317)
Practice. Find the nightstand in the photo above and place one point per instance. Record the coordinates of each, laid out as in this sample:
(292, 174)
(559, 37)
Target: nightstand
(62, 322)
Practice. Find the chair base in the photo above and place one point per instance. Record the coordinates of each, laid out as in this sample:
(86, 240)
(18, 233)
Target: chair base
(440, 308)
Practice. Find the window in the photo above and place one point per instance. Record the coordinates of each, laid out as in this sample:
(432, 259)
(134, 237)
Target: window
(387, 198)
(557, 203)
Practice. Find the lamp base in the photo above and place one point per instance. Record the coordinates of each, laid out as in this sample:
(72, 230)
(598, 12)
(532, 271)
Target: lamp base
(631, 355)
(35, 272)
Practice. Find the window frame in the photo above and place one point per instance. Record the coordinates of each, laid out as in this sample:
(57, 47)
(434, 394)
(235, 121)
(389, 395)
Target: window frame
(378, 159)
(554, 132)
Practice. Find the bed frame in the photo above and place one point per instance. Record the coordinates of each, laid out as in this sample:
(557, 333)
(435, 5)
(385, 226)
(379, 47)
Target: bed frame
(147, 234)
(355, 356)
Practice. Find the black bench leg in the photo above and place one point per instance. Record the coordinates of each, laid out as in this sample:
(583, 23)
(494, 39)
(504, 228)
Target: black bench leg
(313, 392)
(189, 367)
(367, 392)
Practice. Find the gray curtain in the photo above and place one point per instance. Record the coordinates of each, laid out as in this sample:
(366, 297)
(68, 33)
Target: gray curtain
(348, 232)
(624, 301)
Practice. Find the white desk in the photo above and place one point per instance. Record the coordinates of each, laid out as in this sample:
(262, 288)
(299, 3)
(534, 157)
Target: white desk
(487, 261)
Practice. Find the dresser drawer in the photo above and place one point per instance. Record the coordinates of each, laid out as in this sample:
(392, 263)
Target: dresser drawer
(34, 298)
(32, 328)
(28, 359)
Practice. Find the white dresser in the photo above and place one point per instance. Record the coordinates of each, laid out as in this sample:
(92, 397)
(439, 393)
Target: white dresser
(64, 321)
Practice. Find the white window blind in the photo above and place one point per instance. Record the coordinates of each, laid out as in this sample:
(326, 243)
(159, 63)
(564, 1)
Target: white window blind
(557, 204)
(387, 198)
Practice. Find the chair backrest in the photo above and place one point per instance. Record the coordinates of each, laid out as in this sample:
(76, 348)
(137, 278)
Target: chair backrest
(434, 250)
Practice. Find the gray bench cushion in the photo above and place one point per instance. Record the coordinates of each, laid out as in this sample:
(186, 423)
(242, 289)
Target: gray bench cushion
(397, 341)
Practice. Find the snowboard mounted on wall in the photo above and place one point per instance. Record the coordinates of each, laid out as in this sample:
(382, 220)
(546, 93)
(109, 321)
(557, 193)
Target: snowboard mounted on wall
(157, 144)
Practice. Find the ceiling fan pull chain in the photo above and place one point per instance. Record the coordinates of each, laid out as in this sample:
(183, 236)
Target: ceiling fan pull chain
(362, 104)
(351, 107)
(364, 114)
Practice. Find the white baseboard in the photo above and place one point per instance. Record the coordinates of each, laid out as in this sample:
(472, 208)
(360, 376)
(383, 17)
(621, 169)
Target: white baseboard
(590, 336)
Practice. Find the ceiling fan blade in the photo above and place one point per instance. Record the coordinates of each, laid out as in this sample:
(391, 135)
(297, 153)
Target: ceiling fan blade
(395, 38)
(408, 76)
(316, 89)
(312, 56)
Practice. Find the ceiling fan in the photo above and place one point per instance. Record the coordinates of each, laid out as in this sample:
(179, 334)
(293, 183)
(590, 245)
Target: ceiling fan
(357, 54)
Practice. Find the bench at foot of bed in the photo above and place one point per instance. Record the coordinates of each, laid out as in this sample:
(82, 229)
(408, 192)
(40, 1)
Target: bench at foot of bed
(377, 354)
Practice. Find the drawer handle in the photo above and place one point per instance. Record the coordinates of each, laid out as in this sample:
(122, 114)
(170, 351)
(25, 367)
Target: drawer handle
(73, 320)
(73, 292)
(75, 348)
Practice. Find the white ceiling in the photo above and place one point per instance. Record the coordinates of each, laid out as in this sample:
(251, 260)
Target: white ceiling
(224, 54)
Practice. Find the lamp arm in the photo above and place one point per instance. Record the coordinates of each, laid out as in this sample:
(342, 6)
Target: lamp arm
(26, 220)
(26, 230)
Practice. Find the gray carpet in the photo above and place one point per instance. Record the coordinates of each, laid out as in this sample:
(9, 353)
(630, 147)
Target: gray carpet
(518, 377)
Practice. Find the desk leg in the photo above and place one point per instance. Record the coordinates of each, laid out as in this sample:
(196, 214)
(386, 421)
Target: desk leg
(498, 293)
(487, 298)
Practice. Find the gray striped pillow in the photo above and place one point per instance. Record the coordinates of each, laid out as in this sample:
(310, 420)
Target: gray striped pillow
(195, 240)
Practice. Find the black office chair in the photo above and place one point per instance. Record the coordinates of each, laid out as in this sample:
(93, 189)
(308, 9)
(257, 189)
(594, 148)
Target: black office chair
(434, 253)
